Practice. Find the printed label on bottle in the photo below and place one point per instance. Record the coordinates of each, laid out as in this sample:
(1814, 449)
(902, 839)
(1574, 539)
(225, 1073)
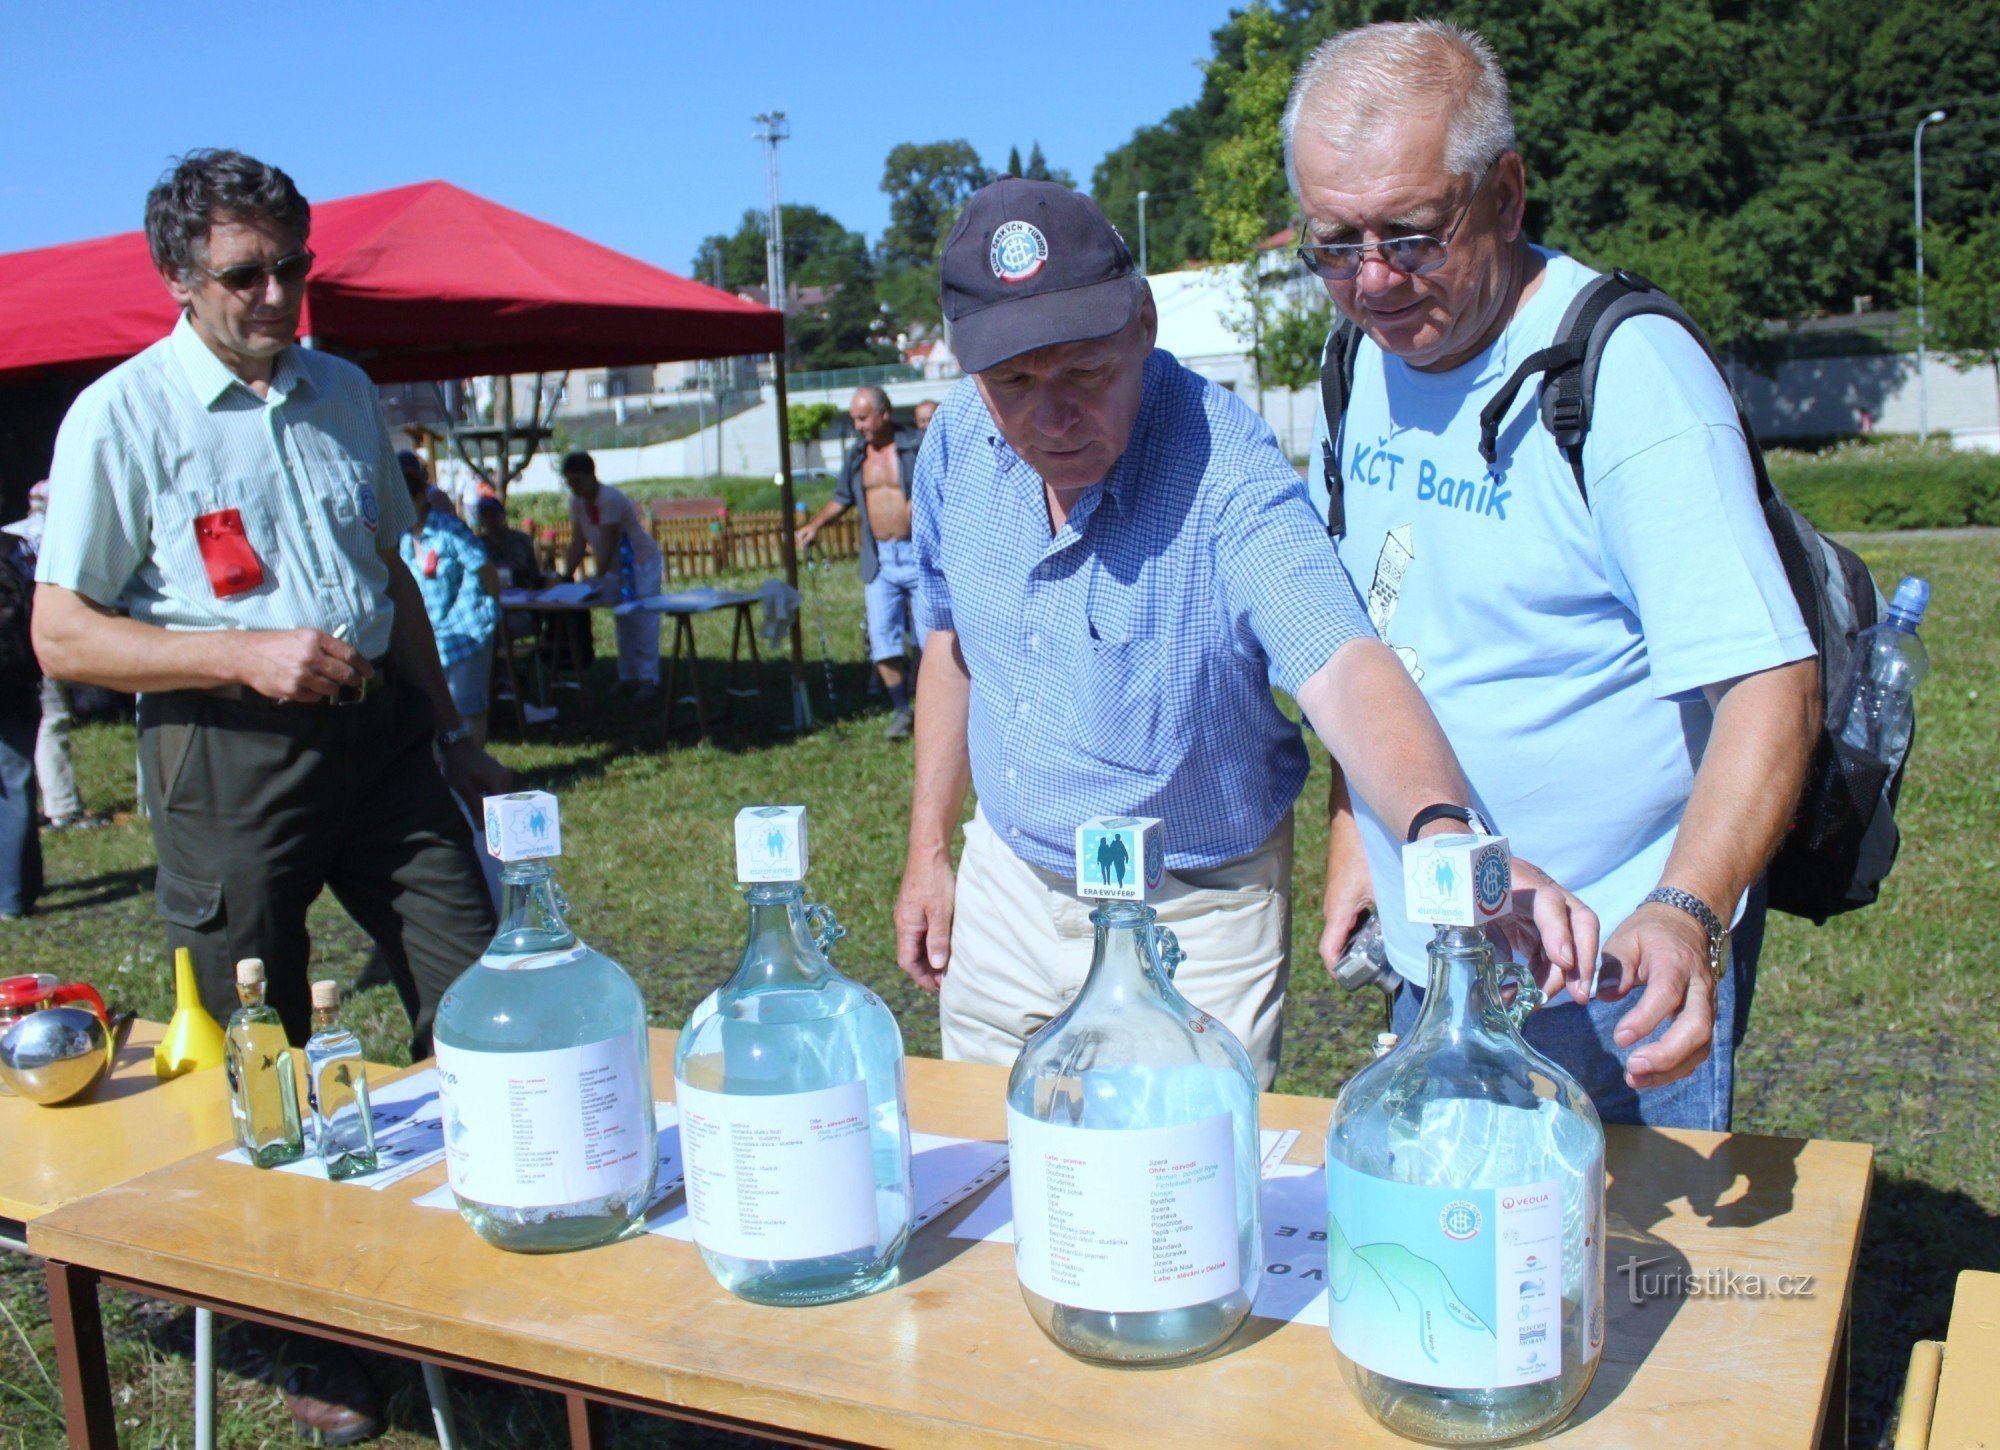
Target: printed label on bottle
(546, 1129)
(1456, 1288)
(783, 1176)
(1125, 1220)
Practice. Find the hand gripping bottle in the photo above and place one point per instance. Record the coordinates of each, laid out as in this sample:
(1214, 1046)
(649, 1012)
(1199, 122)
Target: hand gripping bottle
(1465, 1194)
(789, 1080)
(543, 1063)
(1132, 1139)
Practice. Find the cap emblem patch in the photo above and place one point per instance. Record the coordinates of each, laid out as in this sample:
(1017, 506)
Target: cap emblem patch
(1018, 251)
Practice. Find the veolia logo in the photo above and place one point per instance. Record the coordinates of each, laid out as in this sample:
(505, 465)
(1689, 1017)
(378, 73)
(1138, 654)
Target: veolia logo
(1460, 1220)
(1526, 1200)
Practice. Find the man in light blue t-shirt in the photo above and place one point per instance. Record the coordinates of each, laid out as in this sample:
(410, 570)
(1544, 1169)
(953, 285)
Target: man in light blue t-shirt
(1626, 679)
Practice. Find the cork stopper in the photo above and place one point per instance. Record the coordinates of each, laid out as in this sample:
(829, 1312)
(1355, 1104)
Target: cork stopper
(325, 995)
(250, 972)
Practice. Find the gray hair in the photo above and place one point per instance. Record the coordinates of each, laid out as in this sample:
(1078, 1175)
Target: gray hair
(877, 396)
(205, 187)
(1367, 78)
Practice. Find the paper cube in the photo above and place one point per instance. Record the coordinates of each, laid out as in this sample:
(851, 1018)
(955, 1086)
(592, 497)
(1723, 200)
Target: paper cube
(1457, 880)
(523, 826)
(771, 843)
(1120, 858)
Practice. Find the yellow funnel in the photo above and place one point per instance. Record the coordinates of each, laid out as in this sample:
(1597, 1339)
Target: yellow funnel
(193, 1040)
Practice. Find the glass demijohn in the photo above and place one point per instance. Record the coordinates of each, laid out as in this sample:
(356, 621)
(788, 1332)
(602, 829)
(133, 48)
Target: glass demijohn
(337, 1084)
(789, 1082)
(543, 1063)
(263, 1084)
(1132, 1140)
(1465, 1194)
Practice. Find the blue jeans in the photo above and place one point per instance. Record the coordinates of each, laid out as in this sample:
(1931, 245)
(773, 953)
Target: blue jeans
(1578, 1038)
(892, 591)
(20, 836)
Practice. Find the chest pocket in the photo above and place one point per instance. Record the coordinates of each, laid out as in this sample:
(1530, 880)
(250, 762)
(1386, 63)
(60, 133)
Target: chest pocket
(177, 546)
(1123, 717)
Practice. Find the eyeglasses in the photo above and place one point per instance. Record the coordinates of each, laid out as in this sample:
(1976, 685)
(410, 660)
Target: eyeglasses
(1414, 256)
(249, 276)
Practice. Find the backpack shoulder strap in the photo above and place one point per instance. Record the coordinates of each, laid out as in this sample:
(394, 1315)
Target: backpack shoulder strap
(1336, 385)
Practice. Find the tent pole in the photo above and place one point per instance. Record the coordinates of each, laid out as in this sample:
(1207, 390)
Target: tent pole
(801, 705)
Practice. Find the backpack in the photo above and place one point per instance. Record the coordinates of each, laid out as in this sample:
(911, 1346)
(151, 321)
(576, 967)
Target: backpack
(1843, 836)
(20, 671)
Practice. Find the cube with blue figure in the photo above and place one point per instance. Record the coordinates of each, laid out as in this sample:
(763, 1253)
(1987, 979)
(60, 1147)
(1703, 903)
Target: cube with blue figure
(771, 843)
(523, 826)
(1120, 858)
(1457, 880)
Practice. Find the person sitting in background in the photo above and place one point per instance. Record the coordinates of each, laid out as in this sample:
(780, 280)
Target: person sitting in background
(55, 769)
(460, 589)
(603, 519)
(511, 552)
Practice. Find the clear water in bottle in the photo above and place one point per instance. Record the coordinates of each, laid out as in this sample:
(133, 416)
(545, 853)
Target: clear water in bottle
(337, 1085)
(794, 1116)
(263, 1084)
(1465, 1195)
(1132, 1145)
(1875, 712)
(544, 1065)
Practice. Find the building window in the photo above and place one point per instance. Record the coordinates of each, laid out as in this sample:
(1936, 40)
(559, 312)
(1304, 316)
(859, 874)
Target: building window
(596, 389)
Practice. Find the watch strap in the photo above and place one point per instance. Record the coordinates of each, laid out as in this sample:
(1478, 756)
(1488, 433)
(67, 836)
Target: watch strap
(448, 738)
(1444, 812)
(1694, 906)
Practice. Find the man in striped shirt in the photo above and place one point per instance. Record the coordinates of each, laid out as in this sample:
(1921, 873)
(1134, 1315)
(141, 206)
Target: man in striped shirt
(238, 497)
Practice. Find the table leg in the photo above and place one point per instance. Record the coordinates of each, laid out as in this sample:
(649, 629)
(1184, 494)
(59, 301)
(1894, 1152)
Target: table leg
(440, 1398)
(672, 690)
(586, 1423)
(204, 1379)
(685, 625)
(86, 1379)
(1833, 1429)
(745, 628)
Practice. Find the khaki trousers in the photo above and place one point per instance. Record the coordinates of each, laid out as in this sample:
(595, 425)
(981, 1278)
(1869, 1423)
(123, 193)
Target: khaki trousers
(1021, 945)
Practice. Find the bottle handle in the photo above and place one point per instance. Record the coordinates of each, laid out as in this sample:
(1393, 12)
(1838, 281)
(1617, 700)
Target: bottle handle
(824, 926)
(1528, 993)
(1171, 955)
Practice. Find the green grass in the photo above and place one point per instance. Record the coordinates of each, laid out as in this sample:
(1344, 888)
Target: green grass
(1892, 484)
(1876, 1027)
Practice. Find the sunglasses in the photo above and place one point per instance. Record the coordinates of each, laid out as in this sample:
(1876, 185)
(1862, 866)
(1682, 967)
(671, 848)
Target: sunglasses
(1413, 256)
(249, 276)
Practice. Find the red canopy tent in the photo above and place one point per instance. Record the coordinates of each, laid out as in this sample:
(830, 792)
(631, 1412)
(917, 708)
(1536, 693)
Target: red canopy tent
(418, 283)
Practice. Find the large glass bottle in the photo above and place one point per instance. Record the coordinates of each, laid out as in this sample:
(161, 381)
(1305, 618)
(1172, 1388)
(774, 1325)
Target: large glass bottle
(263, 1084)
(1132, 1141)
(789, 1080)
(1465, 1195)
(337, 1084)
(544, 1066)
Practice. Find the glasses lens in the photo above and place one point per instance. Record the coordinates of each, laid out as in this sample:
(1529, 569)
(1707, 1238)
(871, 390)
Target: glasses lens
(1336, 261)
(1414, 255)
(292, 270)
(241, 277)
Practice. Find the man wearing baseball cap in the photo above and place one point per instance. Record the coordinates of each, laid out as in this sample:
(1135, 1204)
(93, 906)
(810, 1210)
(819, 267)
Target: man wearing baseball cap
(1117, 563)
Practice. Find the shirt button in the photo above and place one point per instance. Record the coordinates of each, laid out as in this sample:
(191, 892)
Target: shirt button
(1014, 830)
(1010, 772)
(1033, 640)
(1021, 707)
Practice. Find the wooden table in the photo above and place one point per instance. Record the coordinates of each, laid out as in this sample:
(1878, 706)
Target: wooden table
(949, 1357)
(684, 606)
(1952, 1402)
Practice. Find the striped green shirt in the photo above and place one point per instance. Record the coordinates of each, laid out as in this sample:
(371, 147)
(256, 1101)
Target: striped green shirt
(172, 436)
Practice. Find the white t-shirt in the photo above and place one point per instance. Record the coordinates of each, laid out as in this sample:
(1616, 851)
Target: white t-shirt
(603, 519)
(1563, 646)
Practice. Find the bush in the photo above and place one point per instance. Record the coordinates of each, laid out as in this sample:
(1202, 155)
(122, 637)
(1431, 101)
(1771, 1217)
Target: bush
(1898, 484)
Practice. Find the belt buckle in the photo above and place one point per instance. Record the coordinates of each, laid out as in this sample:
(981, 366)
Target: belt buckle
(355, 693)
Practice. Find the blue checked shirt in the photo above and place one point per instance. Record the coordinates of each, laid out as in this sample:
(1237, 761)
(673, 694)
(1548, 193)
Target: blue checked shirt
(462, 612)
(1125, 665)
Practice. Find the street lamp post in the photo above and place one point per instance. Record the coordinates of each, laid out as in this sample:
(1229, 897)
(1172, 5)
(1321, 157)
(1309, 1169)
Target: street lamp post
(1923, 379)
(1142, 232)
(772, 128)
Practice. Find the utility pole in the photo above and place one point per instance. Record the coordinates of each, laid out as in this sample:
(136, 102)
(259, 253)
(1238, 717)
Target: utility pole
(1142, 232)
(1923, 378)
(772, 127)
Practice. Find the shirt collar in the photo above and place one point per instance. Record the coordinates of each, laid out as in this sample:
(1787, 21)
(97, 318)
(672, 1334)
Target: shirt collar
(210, 378)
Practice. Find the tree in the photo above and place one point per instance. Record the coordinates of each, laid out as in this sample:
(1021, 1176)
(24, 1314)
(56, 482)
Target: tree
(1291, 343)
(1962, 303)
(818, 249)
(1013, 161)
(1241, 183)
(926, 185)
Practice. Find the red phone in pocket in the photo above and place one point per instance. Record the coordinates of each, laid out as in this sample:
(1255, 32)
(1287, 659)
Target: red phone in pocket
(233, 566)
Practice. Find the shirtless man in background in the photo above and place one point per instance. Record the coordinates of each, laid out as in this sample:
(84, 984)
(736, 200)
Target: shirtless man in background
(877, 474)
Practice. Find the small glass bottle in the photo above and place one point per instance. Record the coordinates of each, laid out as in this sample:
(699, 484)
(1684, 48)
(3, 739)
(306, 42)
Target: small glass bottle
(263, 1084)
(343, 1126)
(544, 1066)
(789, 1081)
(1465, 1194)
(1132, 1140)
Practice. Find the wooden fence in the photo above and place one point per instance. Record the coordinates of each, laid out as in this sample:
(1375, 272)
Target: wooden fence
(749, 540)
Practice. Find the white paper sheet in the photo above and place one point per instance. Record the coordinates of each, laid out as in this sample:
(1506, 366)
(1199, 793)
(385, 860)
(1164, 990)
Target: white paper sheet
(409, 1134)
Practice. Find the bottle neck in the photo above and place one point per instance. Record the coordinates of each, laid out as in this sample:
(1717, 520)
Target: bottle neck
(250, 996)
(531, 910)
(1464, 989)
(325, 1019)
(1124, 964)
(779, 949)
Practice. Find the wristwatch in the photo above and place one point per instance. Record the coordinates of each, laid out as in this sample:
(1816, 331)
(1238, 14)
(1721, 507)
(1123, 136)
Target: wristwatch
(1711, 924)
(457, 734)
(1474, 822)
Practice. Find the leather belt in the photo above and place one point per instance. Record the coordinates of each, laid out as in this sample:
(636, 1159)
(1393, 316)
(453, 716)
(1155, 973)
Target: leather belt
(347, 694)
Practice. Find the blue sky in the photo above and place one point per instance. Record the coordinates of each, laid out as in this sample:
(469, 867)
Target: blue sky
(627, 123)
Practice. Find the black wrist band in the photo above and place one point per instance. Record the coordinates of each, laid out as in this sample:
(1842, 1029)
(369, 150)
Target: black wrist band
(1472, 819)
